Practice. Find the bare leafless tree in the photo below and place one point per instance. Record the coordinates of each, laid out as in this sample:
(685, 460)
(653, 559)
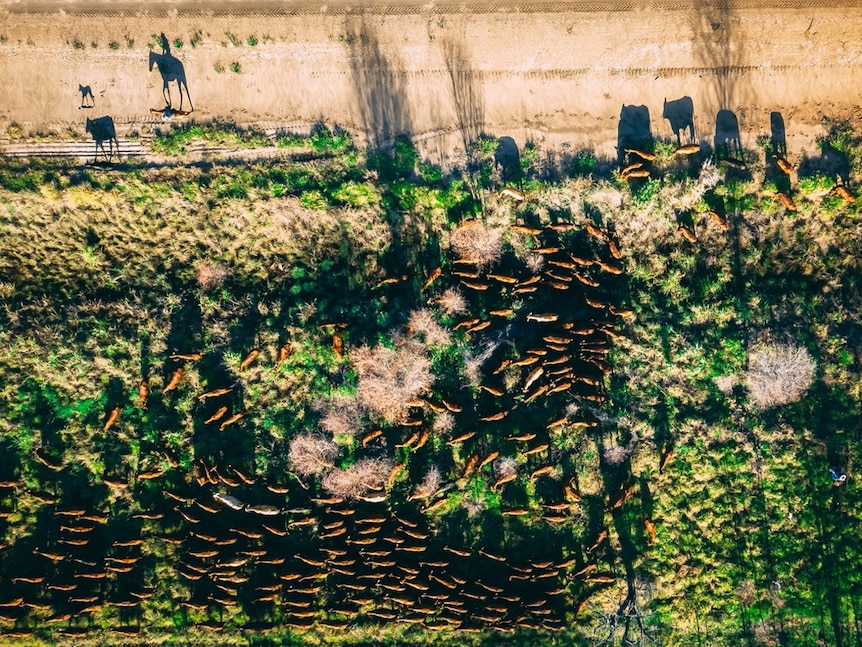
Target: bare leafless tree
(424, 327)
(390, 377)
(627, 623)
(429, 485)
(311, 454)
(506, 466)
(478, 243)
(359, 479)
(778, 374)
(341, 414)
(452, 302)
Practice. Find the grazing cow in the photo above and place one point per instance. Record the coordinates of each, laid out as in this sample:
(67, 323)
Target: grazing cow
(102, 128)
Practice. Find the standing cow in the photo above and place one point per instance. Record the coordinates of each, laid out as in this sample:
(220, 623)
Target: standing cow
(102, 128)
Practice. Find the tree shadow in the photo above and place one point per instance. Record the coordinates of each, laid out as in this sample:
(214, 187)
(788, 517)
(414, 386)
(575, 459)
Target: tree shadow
(718, 46)
(508, 158)
(380, 91)
(467, 96)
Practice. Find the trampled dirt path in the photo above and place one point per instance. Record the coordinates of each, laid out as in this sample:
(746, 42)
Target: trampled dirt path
(559, 74)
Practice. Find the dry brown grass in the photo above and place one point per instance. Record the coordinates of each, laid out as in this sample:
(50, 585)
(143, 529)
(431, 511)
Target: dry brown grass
(391, 377)
(778, 374)
(357, 480)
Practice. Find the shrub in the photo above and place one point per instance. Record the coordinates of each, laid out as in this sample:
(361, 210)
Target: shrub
(311, 454)
(423, 326)
(210, 275)
(481, 244)
(358, 479)
(341, 414)
(778, 374)
(390, 377)
(452, 302)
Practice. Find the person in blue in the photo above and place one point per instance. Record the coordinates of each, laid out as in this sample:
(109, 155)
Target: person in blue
(838, 475)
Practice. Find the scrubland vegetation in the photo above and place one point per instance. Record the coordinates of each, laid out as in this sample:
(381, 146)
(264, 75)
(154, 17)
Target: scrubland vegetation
(433, 411)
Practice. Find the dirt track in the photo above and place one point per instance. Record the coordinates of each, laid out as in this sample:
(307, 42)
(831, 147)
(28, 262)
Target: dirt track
(554, 73)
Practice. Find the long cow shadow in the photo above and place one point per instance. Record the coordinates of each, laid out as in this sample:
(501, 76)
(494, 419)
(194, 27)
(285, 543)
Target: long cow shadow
(633, 130)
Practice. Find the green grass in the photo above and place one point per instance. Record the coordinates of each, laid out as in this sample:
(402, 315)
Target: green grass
(174, 141)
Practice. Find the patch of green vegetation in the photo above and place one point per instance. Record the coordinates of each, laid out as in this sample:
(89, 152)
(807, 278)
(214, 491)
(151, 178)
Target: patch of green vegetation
(235, 67)
(232, 39)
(252, 41)
(175, 140)
(114, 45)
(77, 44)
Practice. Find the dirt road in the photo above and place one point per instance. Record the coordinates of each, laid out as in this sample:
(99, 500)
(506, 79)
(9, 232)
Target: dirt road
(559, 74)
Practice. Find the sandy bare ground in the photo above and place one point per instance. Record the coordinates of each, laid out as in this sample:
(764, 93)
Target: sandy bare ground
(554, 73)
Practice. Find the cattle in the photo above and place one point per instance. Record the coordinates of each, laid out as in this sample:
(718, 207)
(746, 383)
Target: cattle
(648, 157)
(229, 501)
(532, 377)
(637, 174)
(719, 220)
(500, 278)
(685, 151)
(842, 191)
(143, 393)
(216, 416)
(549, 317)
(176, 376)
(785, 201)
(283, 354)
(249, 359)
(480, 287)
(214, 393)
(687, 233)
(649, 526)
(516, 195)
(229, 421)
(785, 166)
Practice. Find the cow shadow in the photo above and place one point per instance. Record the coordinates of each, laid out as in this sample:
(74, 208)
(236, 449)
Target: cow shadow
(633, 130)
(171, 70)
(727, 143)
(778, 138)
(680, 114)
(507, 157)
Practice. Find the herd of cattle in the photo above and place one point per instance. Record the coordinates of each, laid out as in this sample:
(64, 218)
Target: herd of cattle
(224, 545)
